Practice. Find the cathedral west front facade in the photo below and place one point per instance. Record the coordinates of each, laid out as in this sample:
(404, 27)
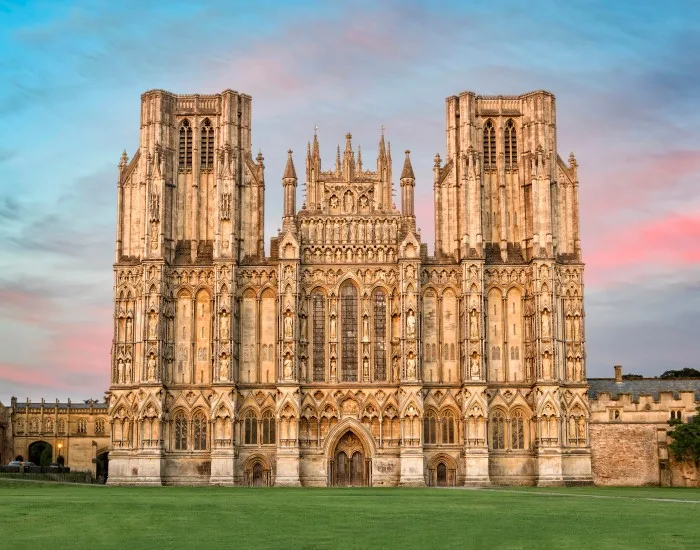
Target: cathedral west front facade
(348, 355)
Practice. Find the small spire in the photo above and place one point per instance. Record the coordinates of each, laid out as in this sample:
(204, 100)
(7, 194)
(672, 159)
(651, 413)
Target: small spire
(124, 159)
(359, 158)
(438, 160)
(315, 147)
(348, 142)
(308, 148)
(289, 172)
(337, 159)
(382, 146)
(388, 151)
(260, 157)
(572, 160)
(407, 172)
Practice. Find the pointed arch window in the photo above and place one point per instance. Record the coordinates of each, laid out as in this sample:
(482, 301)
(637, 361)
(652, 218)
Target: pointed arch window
(185, 147)
(206, 146)
(199, 432)
(318, 304)
(510, 145)
(448, 428)
(498, 431)
(489, 146)
(268, 428)
(250, 429)
(348, 325)
(517, 427)
(430, 433)
(380, 335)
(180, 432)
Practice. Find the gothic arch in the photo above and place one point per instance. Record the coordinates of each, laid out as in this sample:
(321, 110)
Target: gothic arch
(341, 428)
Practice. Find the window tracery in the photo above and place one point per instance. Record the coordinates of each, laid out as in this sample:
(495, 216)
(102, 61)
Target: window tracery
(510, 145)
(430, 434)
(180, 432)
(206, 149)
(199, 432)
(489, 146)
(498, 431)
(268, 428)
(380, 336)
(318, 303)
(185, 147)
(349, 321)
(250, 429)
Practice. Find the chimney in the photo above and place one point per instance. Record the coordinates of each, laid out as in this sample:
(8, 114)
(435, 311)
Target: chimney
(618, 373)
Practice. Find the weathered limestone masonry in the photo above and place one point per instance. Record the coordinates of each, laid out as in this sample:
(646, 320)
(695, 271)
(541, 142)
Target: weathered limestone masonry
(629, 425)
(348, 356)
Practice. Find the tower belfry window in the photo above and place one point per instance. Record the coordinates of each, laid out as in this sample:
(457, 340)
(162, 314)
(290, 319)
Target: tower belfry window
(185, 148)
(489, 146)
(206, 149)
(510, 145)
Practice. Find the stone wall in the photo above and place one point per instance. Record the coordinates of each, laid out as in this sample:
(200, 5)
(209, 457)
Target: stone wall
(625, 454)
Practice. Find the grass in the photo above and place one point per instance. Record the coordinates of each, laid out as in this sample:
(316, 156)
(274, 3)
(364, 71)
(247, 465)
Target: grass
(46, 515)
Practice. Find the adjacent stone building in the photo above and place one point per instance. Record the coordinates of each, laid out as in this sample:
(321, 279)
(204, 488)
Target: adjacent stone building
(348, 355)
(629, 429)
(76, 435)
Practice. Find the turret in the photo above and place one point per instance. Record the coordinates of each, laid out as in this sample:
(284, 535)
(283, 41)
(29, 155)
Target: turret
(408, 184)
(289, 185)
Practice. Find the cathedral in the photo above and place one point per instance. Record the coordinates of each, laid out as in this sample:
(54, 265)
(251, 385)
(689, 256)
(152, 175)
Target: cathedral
(348, 355)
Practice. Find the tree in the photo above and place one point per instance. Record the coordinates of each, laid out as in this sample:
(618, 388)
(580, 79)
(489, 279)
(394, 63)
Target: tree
(683, 373)
(686, 439)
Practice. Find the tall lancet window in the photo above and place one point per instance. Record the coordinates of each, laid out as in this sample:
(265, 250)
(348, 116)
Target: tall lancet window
(380, 335)
(185, 152)
(510, 145)
(348, 327)
(206, 146)
(318, 304)
(489, 146)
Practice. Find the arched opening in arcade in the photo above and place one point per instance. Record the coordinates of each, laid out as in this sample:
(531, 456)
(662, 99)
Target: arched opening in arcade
(41, 453)
(102, 466)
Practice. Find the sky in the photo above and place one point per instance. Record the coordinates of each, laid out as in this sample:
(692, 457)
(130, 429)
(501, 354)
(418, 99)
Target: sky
(626, 77)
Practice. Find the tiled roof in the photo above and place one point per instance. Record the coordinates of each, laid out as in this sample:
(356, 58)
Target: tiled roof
(645, 386)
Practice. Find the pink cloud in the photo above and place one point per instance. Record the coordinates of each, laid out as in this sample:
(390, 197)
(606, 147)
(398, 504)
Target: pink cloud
(672, 241)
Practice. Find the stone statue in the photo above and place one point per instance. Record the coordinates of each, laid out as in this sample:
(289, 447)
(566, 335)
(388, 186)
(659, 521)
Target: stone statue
(546, 366)
(223, 368)
(120, 371)
(474, 367)
(152, 326)
(302, 328)
(303, 369)
(223, 326)
(411, 366)
(577, 370)
(127, 370)
(570, 368)
(577, 327)
(397, 374)
(151, 370)
(473, 325)
(365, 327)
(333, 326)
(288, 326)
(333, 369)
(365, 368)
(411, 324)
(545, 324)
(129, 323)
(288, 367)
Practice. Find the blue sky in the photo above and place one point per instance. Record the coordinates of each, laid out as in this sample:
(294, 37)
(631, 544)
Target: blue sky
(627, 84)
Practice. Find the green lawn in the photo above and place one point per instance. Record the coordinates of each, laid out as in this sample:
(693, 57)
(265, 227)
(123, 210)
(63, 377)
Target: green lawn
(43, 515)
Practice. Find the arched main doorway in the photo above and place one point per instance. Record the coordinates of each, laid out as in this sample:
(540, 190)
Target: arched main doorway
(41, 453)
(350, 464)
